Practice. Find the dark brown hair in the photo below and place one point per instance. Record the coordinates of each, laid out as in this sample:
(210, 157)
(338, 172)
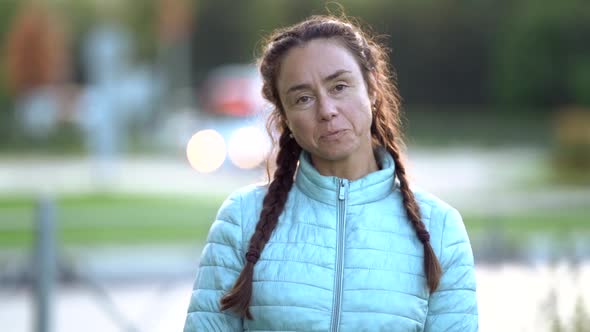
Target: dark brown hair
(385, 130)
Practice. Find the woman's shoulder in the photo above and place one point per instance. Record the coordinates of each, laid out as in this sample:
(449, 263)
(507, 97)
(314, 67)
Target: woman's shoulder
(444, 222)
(430, 204)
(243, 201)
(249, 192)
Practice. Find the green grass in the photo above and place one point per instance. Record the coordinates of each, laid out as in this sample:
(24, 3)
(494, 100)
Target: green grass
(104, 219)
(112, 219)
(544, 234)
(556, 222)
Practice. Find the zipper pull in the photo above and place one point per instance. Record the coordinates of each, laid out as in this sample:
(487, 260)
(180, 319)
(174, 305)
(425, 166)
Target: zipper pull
(342, 189)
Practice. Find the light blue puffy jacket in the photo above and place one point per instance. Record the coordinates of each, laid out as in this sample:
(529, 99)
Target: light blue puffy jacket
(343, 257)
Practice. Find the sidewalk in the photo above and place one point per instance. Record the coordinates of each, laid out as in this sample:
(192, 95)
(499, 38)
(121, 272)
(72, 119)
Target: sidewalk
(469, 179)
(131, 174)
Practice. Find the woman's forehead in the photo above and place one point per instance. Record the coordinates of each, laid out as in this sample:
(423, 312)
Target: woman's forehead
(317, 59)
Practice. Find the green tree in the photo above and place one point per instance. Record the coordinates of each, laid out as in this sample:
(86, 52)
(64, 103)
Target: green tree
(543, 54)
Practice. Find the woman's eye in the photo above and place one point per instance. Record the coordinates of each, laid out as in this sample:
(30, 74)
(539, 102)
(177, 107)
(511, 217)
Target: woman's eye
(302, 100)
(340, 87)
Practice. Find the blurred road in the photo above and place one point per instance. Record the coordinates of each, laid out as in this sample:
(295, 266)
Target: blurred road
(129, 174)
(470, 179)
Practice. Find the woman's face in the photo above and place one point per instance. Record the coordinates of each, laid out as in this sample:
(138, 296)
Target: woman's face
(326, 102)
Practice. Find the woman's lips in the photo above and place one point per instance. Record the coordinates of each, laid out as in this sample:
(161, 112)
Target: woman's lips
(333, 135)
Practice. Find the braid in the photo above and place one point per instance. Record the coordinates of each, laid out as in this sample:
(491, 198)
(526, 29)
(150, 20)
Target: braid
(239, 297)
(386, 132)
(432, 266)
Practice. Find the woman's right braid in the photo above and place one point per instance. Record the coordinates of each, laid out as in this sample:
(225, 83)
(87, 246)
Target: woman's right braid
(386, 133)
(239, 297)
(432, 266)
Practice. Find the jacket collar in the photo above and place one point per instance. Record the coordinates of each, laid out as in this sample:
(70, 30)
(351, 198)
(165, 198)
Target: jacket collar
(371, 187)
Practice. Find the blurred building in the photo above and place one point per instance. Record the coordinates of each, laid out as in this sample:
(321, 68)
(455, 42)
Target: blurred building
(38, 63)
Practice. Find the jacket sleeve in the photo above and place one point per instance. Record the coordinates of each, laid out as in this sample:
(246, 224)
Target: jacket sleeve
(220, 265)
(453, 306)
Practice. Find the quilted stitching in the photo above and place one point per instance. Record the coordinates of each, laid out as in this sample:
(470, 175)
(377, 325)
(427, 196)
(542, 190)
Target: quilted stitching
(384, 285)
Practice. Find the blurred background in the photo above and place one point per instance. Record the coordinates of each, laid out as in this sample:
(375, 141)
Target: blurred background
(124, 125)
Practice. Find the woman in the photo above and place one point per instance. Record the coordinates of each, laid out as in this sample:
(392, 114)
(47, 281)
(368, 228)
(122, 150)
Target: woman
(337, 241)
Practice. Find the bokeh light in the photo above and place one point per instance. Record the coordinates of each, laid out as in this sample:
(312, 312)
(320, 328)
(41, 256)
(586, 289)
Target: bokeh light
(206, 151)
(248, 147)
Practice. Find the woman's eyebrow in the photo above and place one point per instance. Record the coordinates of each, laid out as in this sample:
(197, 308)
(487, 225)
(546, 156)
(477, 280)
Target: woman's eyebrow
(328, 78)
(337, 74)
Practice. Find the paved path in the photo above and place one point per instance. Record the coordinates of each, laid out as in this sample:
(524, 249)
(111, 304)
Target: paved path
(472, 179)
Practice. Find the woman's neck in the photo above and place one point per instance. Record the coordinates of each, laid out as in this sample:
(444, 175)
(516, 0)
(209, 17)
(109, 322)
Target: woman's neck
(351, 169)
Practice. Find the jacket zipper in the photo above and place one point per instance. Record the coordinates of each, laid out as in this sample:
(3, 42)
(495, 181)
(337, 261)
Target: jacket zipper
(340, 233)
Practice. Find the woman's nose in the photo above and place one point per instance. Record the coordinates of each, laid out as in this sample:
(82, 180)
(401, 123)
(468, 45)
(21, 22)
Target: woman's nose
(327, 109)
